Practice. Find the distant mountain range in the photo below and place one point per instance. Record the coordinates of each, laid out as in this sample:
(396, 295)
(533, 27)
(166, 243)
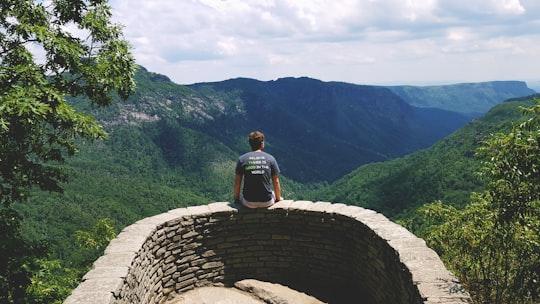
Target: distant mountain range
(471, 99)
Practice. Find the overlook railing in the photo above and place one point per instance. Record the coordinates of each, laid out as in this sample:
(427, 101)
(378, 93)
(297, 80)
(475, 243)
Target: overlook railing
(334, 252)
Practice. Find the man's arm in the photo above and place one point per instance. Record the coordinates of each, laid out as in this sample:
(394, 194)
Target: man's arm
(277, 187)
(237, 185)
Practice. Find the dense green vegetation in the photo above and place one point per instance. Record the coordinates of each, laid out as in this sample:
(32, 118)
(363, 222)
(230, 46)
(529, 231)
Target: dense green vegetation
(446, 171)
(38, 127)
(493, 243)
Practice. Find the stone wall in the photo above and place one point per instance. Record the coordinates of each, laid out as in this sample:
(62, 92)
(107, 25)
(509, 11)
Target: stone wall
(335, 252)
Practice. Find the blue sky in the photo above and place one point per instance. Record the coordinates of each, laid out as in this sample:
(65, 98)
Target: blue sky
(358, 41)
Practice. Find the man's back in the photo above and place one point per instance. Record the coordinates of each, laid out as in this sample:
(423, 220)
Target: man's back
(257, 167)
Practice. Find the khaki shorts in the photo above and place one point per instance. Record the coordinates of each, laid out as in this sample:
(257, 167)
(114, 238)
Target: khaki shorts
(259, 204)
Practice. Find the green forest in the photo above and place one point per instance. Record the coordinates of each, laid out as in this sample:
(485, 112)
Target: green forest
(91, 146)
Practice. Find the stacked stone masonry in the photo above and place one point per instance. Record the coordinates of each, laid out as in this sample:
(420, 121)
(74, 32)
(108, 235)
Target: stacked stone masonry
(335, 252)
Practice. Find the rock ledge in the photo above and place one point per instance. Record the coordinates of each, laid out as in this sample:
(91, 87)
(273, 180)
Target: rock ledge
(247, 291)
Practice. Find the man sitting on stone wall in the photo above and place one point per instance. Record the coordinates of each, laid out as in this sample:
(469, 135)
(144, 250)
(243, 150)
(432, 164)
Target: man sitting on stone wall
(257, 169)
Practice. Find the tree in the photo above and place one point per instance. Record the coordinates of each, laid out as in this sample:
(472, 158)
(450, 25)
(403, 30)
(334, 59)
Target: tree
(67, 48)
(493, 244)
(53, 282)
(96, 240)
(18, 258)
(49, 50)
(512, 167)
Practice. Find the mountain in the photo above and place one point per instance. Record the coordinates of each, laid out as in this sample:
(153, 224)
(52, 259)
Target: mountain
(471, 99)
(446, 171)
(534, 85)
(320, 131)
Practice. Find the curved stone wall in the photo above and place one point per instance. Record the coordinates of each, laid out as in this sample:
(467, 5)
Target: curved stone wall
(334, 252)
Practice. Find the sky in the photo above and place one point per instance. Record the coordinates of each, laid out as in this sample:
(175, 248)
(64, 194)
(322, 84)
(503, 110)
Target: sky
(377, 42)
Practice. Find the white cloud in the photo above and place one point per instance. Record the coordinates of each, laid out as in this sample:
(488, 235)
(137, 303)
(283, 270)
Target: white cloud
(456, 35)
(513, 7)
(361, 41)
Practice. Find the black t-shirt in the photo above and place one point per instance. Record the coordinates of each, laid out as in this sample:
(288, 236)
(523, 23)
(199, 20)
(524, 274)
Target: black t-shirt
(257, 169)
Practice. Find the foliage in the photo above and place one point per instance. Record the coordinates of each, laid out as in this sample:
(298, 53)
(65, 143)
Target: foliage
(49, 50)
(42, 62)
(493, 244)
(512, 167)
(52, 283)
(18, 258)
(97, 239)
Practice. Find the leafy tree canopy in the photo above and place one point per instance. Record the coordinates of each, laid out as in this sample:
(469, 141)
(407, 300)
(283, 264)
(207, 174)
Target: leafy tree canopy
(493, 243)
(50, 50)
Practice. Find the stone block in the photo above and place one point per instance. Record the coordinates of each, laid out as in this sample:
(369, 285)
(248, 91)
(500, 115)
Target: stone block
(202, 210)
(209, 253)
(183, 284)
(210, 265)
(179, 213)
(115, 259)
(169, 270)
(89, 298)
(126, 242)
(189, 270)
(444, 292)
(104, 272)
(299, 205)
(222, 207)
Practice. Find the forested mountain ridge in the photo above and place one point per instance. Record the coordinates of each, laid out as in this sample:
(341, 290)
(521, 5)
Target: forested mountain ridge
(321, 130)
(309, 123)
(471, 99)
(445, 171)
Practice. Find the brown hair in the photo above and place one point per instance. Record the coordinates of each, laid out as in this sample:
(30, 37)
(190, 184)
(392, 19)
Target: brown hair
(256, 139)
